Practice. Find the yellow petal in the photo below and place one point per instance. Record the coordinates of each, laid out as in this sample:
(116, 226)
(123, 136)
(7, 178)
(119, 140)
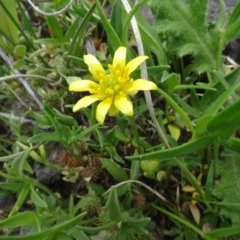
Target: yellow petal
(102, 110)
(141, 84)
(188, 188)
(83, 85)
(133, 64)
(124, 105)
(95, 67)
(85, 102)
(113, 111)
(119, 57)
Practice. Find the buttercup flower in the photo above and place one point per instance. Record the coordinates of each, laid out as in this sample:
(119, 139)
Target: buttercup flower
(112, 89)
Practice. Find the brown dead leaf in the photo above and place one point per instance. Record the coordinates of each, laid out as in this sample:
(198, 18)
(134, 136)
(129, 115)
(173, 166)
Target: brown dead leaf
(195, 212)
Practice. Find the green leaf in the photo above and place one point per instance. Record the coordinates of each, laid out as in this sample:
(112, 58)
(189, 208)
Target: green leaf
(228, 187)
(171, 80)
(232, 144)
(20, 50)
(235, 14)
(7, 26)
(113, 206)
(152, 39)
(11, 186)
(44, 137)
(222, 96)
(224, 232)
(232, 31)
(209, 183)
(55, 27)
(184, 22)
(21, 199)
(62, 236)
(183, 150)
(114, 169)
(71, 223)
(42, 119)
(115, 42)
(201, 125)
(226, 122)
(78, 61)
(116, 17)
(71, 29)
(83, 133)
(19, 162)
(18, 63)
(187, 108)
(36, 199)
(134, 171)
(150, 70)
(19, 220)
(79, 33)
(78, 235)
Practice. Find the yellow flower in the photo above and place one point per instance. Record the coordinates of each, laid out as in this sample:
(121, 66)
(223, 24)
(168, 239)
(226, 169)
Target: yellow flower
(113, 88)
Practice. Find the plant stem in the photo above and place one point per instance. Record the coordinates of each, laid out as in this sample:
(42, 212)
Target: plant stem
(136, 134)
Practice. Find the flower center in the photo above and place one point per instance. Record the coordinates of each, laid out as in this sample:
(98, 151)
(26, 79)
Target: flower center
(114, 83)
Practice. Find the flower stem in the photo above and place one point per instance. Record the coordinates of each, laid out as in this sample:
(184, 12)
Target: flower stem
(136, 134)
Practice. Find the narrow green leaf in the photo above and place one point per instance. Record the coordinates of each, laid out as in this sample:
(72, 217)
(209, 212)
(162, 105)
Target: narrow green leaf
(7, 26)
(222, 98)
(226, 122)
(19, 220)
(83, 133)
(71, 29)
(134, 171)
(21, 199)
(62, 236)
(36, 198)
(171, 80)
(224, 232)
(232, 31)
(12, 186)
(235, 14)
(232, 144)
(116, 17)
(71, 223)
(44, 137)
(19, 162)
(78, 234)
(114, 169)
(79, 61)
(209, 184)
(150, 70)
(201, 125)
(79, 33)
(42, 119)
(113, 206)
(55, 27)
(183, 150)
(187, 108)
(111, 34)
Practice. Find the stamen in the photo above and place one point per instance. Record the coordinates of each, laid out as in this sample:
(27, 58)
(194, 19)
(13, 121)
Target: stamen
(109, 91)
(117, 87)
